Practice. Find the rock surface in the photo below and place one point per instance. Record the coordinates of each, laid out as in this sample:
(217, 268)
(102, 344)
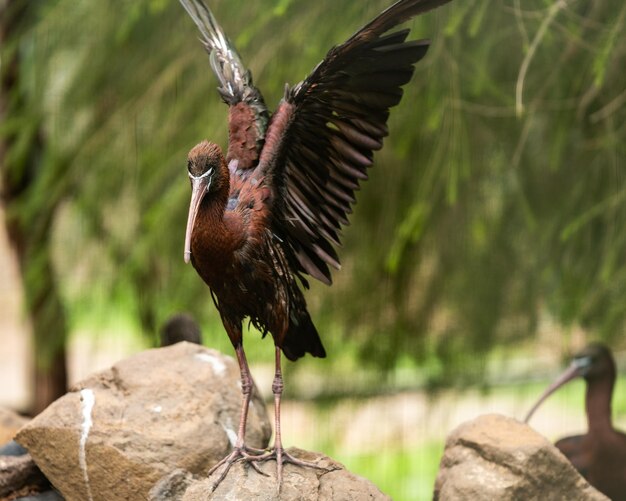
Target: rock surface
(10, 423)
(20, 476)
(496, 457)
(334, 483)
(115, 434)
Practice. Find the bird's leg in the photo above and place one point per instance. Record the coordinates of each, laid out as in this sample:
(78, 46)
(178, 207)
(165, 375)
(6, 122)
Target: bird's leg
(278, 451)
(252, 456)
(277, 390)
(240, 450)
(246, 390)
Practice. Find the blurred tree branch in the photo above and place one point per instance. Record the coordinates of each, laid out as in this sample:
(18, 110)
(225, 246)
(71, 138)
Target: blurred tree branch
(30, 205)
(475, 223)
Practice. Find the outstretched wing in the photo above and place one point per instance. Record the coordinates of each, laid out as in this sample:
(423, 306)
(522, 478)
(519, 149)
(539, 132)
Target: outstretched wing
(321, 139)
(248, 116)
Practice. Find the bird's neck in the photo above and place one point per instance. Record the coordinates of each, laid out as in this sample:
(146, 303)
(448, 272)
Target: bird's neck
(213, 208)
(217, 233)
(211, 220)
(598, 403)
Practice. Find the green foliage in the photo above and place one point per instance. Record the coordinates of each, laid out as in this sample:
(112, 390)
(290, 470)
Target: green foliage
(505, 214)
(401, 474)
(30, 191)
(474, 218)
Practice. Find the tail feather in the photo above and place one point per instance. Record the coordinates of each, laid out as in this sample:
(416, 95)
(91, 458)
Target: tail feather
(301, 338)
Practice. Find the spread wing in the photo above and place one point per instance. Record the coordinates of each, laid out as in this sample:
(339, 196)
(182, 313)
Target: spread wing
(321, 139)
(248, 116)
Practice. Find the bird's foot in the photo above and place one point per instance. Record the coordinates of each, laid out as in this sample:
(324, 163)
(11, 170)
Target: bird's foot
(254, 456)
(243, 453)
(283, 457)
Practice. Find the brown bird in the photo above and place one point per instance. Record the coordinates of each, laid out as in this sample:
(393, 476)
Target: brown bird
(600, 454)
(180, 327)
(270, 212)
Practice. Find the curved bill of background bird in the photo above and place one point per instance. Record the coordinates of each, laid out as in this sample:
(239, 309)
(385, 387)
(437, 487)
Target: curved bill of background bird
(578, 368)
(199, 187)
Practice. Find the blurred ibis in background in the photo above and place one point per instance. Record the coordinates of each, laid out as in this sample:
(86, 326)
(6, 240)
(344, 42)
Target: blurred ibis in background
(600, 454)
(267, 215)
(180, 327)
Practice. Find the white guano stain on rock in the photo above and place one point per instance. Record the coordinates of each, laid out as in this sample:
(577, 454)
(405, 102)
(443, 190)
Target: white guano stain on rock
(230, 433)
(87, 400)
(131, 445)
(219, 368)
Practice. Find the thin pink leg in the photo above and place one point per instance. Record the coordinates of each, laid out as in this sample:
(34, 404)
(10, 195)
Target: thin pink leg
(240, 450)
(253, 456)
(246, 390)
(278, 452)
(277, 390)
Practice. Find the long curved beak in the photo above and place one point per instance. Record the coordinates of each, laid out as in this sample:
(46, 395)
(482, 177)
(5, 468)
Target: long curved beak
(577, 368)
(199, 187)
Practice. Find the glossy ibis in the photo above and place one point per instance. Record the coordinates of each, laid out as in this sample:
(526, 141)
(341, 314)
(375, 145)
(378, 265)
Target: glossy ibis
(600, 454)
(180, 327)
(269, 212)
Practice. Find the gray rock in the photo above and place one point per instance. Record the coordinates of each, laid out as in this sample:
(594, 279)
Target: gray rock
(12, 448)
(20, 476)
(334, 483)
(172, 485)
(496, 457)
(42, 496)
(115, 434)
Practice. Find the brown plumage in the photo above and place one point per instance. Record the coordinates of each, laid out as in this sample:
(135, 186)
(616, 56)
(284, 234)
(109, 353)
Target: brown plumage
(271, 211)
(241, 261)
(600, 454)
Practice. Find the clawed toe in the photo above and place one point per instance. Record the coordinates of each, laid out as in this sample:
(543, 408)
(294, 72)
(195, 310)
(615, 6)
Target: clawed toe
(260, 455)
(282, 457)
(247, 454)
(288, 458)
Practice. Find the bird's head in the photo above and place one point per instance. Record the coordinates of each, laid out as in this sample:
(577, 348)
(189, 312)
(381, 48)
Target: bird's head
(593, 362)
(180, 327)
(206, 167)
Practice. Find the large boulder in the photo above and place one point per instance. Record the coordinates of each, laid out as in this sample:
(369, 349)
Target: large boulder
(332, 483)
(118, 432)
(496, 457)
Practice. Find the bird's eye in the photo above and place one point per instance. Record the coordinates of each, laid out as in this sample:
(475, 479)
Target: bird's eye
(209, 174)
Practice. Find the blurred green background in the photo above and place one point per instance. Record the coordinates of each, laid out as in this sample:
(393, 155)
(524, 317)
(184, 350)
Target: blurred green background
(491, 231)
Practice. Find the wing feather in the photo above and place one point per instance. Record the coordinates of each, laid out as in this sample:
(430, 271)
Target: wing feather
(324, 133)
(320, 142)
(248, 116)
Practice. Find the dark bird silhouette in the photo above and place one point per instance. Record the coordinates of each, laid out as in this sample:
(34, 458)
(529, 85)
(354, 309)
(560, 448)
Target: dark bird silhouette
(180, 327)
(270, 211)
(600, 454)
